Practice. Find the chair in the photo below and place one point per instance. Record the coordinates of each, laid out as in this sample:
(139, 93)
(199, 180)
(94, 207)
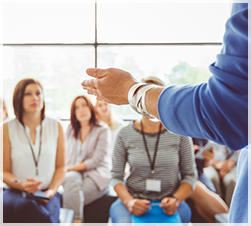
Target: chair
(98, 211)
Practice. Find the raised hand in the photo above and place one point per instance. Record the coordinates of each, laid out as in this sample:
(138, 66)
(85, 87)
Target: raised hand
(110, 85)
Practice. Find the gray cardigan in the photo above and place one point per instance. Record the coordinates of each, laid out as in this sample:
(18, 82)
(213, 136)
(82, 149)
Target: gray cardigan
(94, 153)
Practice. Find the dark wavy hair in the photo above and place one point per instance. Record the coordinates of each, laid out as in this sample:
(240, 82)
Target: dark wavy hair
(74, 122)
(18, 97)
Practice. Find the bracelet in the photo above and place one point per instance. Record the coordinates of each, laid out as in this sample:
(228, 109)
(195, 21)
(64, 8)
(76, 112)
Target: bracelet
(136, 99)
(177, 201)
(131, 95)
(143, 109)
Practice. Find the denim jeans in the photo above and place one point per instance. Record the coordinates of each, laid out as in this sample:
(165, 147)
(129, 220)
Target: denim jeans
(17, 209)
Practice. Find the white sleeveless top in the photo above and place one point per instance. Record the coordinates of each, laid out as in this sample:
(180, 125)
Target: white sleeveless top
(23, 165)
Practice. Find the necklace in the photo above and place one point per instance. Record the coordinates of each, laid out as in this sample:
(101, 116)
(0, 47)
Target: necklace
(32, 151)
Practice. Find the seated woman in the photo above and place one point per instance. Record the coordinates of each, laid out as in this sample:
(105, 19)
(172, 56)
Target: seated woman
(105, 114)
(222, 171)
(206, 204)
(33, 158)
(204, 162)
(133, 197)
(87, 143)
(152, 152)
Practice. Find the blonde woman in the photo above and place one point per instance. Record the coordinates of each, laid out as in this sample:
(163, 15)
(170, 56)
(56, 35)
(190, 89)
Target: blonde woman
(105, 114)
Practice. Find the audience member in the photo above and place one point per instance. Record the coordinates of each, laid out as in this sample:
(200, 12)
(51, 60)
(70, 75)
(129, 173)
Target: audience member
(153, 153)
(87, 143)
(207, 204)
(33, 158)
(105, 114)
(222, 171)
(208, 155)
(3, 118)
(3, 111)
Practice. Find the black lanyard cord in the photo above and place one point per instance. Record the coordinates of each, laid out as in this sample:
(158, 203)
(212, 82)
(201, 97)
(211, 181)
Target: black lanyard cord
(32, 151)
(156, 147)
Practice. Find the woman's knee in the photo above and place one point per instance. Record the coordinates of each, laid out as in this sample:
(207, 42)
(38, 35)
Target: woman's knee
(185, 212)
(119, 213)
(229, 180)
(31, 211)
(73, 181)
(113, 208)
(73, 176)
(211, 173)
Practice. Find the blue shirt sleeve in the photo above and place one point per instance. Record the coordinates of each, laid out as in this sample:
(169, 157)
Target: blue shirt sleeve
(216, 110)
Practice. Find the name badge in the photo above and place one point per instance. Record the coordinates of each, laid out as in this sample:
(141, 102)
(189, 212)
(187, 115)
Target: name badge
(153, 185)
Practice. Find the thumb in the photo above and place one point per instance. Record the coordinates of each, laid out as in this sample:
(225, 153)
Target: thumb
(164, 200)
(145, 201)
(96, 72)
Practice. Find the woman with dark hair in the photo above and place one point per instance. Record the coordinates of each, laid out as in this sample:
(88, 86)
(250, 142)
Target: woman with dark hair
(87, 143)
(162, 169)
(33, 158)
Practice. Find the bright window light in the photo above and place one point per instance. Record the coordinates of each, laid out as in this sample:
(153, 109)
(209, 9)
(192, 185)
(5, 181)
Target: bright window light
(48, 23)
(162, 22)
(56, 42)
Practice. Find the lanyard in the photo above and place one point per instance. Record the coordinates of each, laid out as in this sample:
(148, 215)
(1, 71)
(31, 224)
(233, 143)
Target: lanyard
(32, 151)
(152, 163)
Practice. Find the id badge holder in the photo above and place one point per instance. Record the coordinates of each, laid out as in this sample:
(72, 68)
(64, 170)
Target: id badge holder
(153, 184)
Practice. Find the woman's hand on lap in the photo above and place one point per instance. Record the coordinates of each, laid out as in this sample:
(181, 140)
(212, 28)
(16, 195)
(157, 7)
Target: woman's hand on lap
(169, 205)
(138, 207)
(32, 185)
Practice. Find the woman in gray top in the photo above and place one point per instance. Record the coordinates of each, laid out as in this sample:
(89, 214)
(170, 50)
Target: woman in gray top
(174, 169)
(162, 168)
(170, 176)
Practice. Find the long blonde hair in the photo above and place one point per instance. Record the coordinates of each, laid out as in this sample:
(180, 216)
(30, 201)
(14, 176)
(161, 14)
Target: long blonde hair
(111, 121)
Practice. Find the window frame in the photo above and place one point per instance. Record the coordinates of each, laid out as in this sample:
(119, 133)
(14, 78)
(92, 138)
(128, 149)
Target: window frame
(97, 44)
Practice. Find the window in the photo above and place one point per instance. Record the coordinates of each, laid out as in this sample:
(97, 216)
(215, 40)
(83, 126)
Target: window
(56, 42)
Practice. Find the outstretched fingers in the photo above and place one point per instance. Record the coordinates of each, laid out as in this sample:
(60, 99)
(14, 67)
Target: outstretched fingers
(90, 85)
(96, 72)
